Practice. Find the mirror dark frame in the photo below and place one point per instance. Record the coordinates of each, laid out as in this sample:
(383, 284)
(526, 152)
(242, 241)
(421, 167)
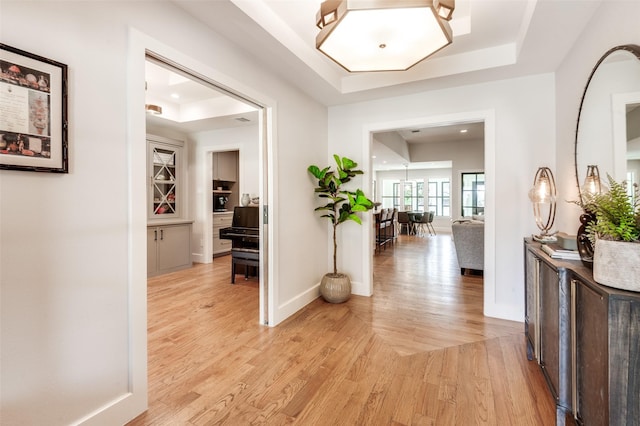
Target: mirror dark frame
(584, 244)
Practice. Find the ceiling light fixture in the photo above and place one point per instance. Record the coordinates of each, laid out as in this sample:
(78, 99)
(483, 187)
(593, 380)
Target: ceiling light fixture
(153, 109)
(383, 35)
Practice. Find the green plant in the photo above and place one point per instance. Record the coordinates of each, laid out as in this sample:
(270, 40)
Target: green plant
(617, 215)
(342, 205)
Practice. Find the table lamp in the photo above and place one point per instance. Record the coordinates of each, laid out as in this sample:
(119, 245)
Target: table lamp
(543, 196)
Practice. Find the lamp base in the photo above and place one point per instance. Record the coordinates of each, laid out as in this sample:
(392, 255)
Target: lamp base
(545, 238)
(585, 248)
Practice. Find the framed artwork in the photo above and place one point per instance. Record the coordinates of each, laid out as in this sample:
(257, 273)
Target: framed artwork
(33, 112)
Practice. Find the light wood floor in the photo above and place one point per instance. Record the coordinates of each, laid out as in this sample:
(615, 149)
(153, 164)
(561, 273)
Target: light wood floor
(419, 352)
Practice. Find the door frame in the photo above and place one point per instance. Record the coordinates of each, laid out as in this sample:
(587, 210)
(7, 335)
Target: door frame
(205, 166)
(486, 116)
(136, 398)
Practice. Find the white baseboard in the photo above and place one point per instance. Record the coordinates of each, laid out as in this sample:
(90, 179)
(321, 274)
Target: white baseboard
(200, 258)
(294, 304)
(507, 312)
(360, 289)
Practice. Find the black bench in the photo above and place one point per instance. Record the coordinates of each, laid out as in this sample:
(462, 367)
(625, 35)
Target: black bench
(244, 256)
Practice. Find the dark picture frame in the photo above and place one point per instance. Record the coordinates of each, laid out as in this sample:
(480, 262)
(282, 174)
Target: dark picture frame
(33, 112)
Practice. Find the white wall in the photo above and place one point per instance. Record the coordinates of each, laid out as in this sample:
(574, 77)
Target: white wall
(615, 23)
(466, 156)
(521, 140)
(72, 259)
(395, 143)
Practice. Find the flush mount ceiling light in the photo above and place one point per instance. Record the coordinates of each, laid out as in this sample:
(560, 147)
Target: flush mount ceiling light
(382, 35)
(153, 109)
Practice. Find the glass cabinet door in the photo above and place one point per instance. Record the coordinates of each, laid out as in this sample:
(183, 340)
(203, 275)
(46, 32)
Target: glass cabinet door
(164, 180)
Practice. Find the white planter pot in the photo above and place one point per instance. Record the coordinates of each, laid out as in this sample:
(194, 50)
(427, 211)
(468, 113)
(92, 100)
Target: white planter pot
(617, 264)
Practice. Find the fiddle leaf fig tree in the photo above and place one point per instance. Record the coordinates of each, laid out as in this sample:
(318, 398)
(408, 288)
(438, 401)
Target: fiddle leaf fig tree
(341, 205)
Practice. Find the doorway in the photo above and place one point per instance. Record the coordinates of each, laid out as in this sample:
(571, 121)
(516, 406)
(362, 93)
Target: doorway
(487, 121)
(213, 110)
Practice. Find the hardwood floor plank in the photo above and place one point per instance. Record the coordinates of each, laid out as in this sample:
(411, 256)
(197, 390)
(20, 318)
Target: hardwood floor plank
(418, 352)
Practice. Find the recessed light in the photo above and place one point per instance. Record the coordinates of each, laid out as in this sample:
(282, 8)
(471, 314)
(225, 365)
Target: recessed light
(373, 156)
(175, 96)
(463, 131)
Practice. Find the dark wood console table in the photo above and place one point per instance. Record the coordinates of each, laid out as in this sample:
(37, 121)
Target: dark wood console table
(586, 339)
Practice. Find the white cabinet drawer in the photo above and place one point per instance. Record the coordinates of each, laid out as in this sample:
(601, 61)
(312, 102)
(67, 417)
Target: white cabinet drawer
(222, 220)
(221, 246)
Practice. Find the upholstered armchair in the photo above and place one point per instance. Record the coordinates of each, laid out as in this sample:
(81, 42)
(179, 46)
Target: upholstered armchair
(468, 238)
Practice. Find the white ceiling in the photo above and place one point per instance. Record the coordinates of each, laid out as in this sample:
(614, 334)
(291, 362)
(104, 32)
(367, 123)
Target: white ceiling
(493, 40)
(189, 106)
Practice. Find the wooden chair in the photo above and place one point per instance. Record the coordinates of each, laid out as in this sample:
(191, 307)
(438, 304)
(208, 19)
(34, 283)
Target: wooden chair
(384, 228)
(394, 225)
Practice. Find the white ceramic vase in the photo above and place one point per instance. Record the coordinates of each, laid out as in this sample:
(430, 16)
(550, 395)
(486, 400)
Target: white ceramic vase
(245, 200)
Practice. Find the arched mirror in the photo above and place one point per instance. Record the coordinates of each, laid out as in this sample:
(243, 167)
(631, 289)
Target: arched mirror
(608, 128)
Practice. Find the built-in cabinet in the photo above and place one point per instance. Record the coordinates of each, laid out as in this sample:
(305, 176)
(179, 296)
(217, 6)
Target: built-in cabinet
(225, 166)
(168, 248)
(221, 220)
(168, 230)
(165, 173)
(224, 169)
(586, 339)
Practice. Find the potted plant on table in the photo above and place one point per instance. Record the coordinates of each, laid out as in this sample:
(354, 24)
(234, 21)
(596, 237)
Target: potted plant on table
(615, 234)
(341, 206)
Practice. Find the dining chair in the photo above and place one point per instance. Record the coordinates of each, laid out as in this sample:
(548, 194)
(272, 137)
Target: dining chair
(432, 231)
(414, 218)
(404, 221)
(425, 224)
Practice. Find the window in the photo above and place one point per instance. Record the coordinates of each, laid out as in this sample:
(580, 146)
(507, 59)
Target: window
(413, 196)
(631, 179)
(439, 196)
(402, 195)
(472, 194)
(390, 194)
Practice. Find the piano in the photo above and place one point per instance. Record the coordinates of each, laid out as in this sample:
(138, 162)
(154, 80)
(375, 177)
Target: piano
(244, 234)
(245, 228)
